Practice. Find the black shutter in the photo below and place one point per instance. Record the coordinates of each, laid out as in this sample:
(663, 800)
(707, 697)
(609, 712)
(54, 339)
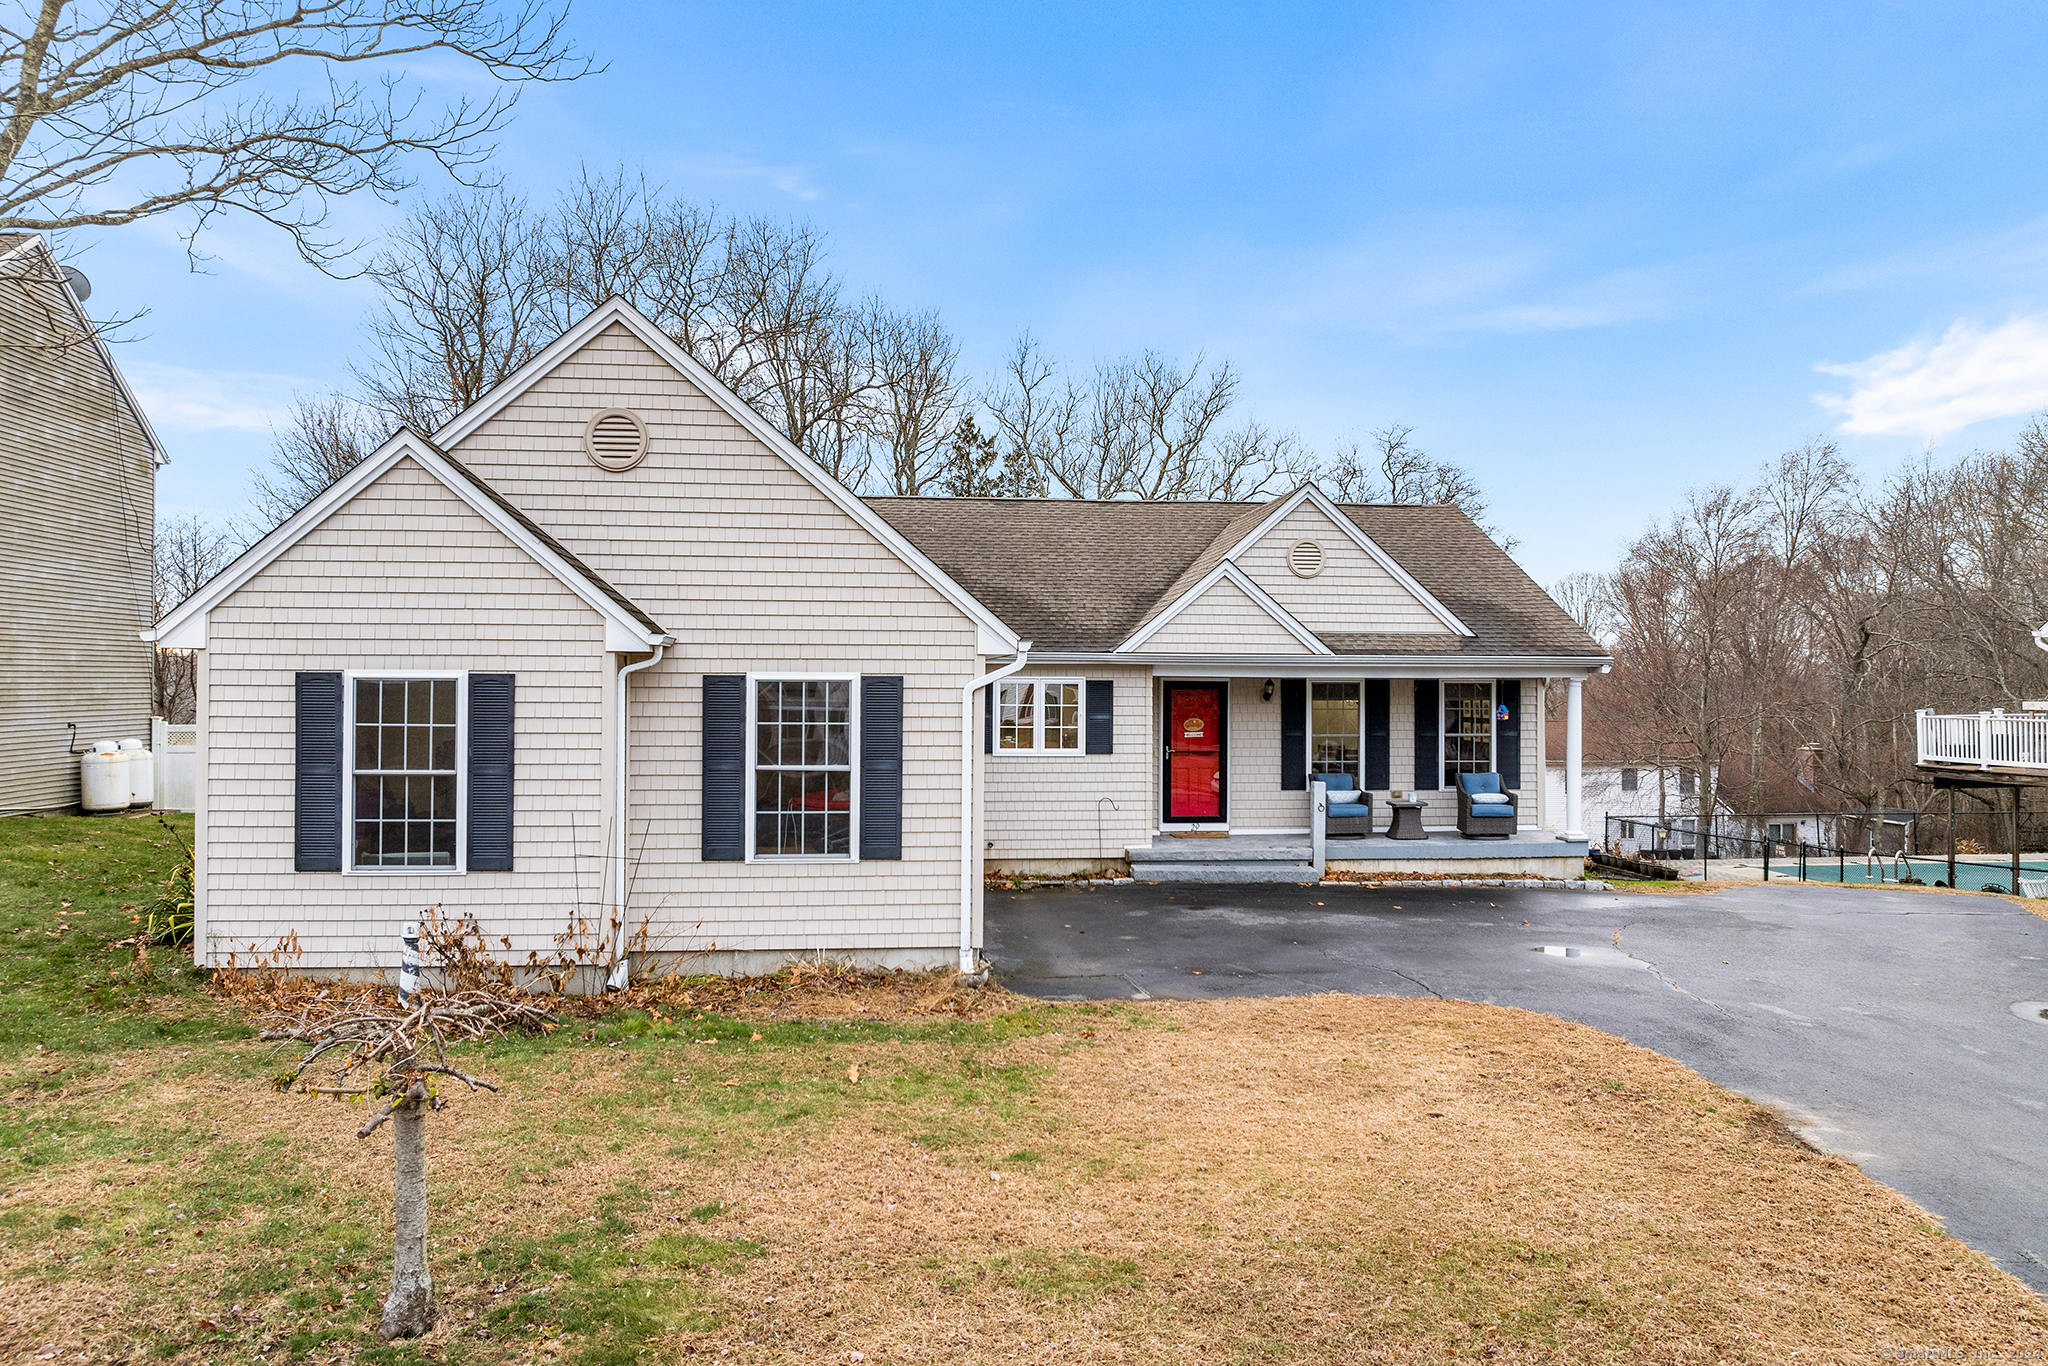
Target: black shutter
(1101, 716)
(881, 767)
(1507, 735)
(724, 839)
(1428, 774)
(1294, 735)
(988, 719)
(1378, 734)
(490, 773)
(316, 777)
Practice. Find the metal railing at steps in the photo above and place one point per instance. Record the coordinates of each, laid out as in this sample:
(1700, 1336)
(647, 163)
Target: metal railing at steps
(1633, 837)
(1984, 740)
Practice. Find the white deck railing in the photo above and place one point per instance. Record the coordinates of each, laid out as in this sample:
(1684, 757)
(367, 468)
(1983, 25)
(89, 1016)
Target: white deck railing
(1986, 739)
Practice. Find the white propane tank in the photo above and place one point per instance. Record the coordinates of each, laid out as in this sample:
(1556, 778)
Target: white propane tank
(112, 748)
(141, 773)
(103, 778)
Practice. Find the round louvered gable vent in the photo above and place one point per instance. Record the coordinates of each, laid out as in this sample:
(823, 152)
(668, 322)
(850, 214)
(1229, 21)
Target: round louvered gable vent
(1306, 559)
(615, 439)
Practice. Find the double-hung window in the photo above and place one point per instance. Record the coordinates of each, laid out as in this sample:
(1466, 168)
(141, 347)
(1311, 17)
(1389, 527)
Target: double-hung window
(803, 767)
(1333, 729)
(405, 753)
(1038, 716)
(1468, 730)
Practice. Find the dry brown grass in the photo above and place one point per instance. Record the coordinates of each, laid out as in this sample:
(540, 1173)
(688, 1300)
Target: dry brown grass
(806, 990)
(1322, 1179)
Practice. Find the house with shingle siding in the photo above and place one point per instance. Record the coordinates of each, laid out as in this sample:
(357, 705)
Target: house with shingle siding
(78, 468)
(611, 666)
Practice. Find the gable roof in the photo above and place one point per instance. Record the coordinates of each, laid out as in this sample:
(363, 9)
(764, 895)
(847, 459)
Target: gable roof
(996, 636)
(1079, 576)
(627, 627)
(1225, 573)
(23, 244)
(1281, 508)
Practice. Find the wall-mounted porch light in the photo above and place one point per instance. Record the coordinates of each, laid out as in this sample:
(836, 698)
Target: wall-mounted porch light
(1269, 690)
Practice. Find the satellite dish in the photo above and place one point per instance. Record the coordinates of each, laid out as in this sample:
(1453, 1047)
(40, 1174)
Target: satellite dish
(80, 286)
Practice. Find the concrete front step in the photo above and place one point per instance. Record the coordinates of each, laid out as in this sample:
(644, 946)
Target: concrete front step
(1223, 870)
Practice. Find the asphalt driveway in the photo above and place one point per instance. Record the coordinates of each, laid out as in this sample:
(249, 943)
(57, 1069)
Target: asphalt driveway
(1887, 1026)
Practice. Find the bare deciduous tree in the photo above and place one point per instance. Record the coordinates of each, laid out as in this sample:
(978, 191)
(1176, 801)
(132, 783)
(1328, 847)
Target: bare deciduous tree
(1389, 468)
(1142, 427)
(325, 436)
(466, 289)
(399, 1056)
(475, 285)
(1034, 409)
(916, 398)
(1585, 596)
(117, 112)
(187, 552)
(1782, 634)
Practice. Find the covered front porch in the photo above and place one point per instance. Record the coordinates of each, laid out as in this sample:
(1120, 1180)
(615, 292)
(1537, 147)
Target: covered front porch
(1292, 858)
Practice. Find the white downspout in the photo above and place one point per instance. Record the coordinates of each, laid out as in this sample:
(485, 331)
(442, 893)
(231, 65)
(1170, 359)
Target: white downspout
(970, 857)
(622, 973)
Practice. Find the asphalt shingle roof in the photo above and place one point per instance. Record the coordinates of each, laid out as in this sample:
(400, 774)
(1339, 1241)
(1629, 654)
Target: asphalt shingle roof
(1078, 576)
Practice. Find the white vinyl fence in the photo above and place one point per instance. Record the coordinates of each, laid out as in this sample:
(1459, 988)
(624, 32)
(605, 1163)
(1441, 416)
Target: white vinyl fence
(177, 765)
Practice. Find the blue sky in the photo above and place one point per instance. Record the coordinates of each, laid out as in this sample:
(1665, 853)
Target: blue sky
(1595, 253)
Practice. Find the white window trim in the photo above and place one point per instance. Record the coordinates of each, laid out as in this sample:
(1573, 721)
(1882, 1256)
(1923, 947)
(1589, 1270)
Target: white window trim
(1492, 730)
(852, 754)
(348, 770)
(1308, 762)
(1038, 748)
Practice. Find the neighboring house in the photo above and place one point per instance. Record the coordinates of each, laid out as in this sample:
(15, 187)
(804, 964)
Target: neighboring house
(77, 515)
(1617, 791)
(831, 715)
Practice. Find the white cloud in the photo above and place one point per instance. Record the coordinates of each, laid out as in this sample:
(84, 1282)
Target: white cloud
(794, 181)
(178, 399)
(1933, 387)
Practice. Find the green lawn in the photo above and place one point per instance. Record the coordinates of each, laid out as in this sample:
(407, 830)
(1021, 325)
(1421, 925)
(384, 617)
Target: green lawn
(141, 1104)
(1329, 1178)
(70, 995)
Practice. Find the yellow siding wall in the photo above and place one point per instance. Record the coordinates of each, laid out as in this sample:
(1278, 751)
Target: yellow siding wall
(1352, 594)
(404, 577)
(1050, 806)
(1223, 621)
(1256, 801)
(754, 570)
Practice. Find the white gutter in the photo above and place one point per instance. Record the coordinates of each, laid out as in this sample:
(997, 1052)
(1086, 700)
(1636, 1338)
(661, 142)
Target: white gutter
(970, 857)
(622, 974)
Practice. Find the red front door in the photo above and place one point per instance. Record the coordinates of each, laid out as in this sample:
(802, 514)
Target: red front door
(1194, 752)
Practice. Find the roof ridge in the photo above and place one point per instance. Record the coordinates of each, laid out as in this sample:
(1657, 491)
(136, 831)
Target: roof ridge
(1211, 555)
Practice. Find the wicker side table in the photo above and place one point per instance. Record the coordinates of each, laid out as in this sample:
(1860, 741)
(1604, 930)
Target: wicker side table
(1407, 821)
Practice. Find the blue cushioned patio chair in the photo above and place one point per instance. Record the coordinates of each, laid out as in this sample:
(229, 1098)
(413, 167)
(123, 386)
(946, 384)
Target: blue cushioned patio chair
(1484, 811)
(1350, 809)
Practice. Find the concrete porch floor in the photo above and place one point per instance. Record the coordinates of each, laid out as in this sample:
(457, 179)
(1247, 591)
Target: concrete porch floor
(1441, 844)
(1285, 858)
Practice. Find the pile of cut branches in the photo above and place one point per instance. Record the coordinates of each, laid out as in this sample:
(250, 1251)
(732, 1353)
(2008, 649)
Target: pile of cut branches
(383, 1044)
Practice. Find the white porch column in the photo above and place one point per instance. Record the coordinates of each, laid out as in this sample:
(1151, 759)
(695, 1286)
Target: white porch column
(1574, 746)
